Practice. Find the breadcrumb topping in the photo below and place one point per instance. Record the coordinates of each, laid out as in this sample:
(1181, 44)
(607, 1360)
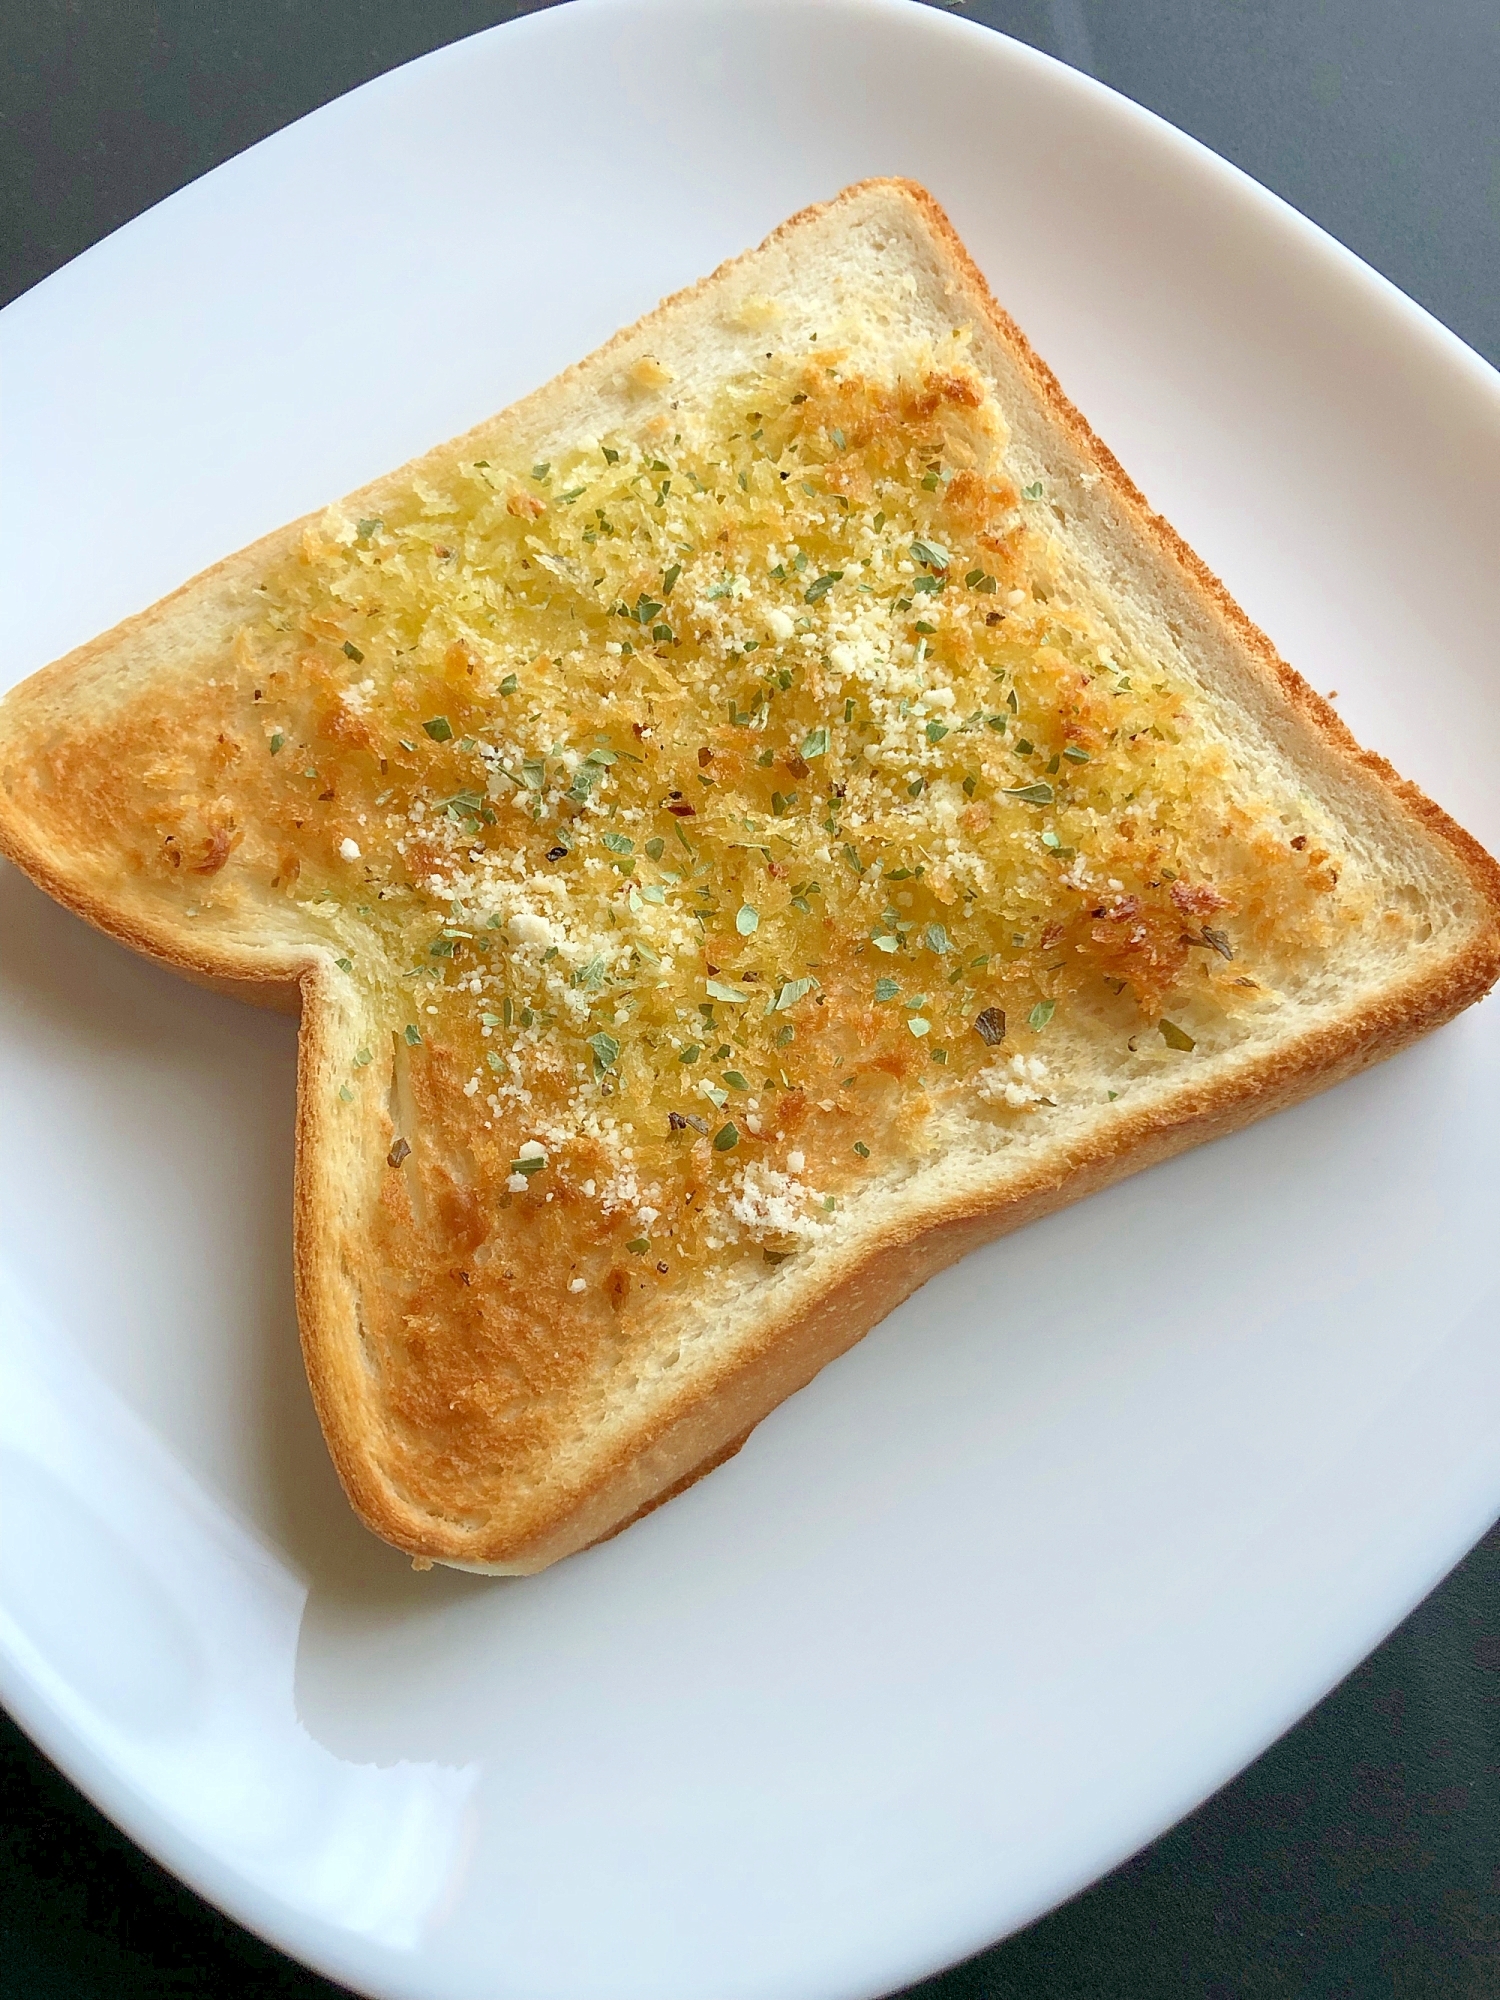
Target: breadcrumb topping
(717, 817)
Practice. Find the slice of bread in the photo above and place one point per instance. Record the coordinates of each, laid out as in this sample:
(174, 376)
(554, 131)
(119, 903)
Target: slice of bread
(769, 811)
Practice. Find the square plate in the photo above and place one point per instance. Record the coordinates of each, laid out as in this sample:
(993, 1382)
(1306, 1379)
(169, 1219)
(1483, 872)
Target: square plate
(1094, 1516)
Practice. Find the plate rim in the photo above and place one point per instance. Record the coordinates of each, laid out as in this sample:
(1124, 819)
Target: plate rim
(309, 1940)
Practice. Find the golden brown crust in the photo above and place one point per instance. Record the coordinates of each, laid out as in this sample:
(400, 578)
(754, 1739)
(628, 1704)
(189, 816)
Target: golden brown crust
(693, 1431)
(790, 1353)
(1480, 866)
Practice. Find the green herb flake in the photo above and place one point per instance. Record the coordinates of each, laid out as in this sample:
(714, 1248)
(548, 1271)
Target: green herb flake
(936, 731)
(278, 744)
(439, 729)
(1041, 1014)
(1175, 1037)
(1074, 755)
(509, 684)
(413, 1035)
(862, 1149)
(346, 1095)
(606, 1050)
(362, 1057)
(1039, 794)
(718, 989)
(352, 652)
(736, 1079)
(820, 587)
(938, 939)
(887, 989)
(368, 528)
(815, 743)
(1033, 492)
(792, 990)
(617, 843)
(748, 920)
(931, 555)
(726, 1138)
(539, 472)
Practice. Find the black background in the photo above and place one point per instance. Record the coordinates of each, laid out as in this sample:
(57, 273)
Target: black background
(1360, 1857)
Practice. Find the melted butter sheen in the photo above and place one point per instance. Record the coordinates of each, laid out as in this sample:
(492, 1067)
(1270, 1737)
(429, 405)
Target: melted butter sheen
(703, 810)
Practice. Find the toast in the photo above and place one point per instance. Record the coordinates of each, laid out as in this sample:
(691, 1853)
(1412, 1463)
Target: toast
(767, 812)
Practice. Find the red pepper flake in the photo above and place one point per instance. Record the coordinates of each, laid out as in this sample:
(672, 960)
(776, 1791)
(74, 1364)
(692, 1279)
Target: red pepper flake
(990, 1027)
(1197, 899)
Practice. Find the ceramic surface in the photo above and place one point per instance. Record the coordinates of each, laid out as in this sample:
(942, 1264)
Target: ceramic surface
(1093, 1517)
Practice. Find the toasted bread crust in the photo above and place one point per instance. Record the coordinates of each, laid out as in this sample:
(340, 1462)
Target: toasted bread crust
(813, 1318)
(794, 1348)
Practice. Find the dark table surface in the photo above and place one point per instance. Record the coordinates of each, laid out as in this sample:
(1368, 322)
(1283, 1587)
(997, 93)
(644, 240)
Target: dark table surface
(1360, 1857)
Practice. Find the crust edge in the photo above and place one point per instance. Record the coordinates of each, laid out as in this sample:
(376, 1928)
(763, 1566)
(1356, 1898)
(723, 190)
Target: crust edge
(848, 1301)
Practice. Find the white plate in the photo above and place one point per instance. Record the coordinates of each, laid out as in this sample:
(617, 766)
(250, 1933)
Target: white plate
(1078, 1530)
